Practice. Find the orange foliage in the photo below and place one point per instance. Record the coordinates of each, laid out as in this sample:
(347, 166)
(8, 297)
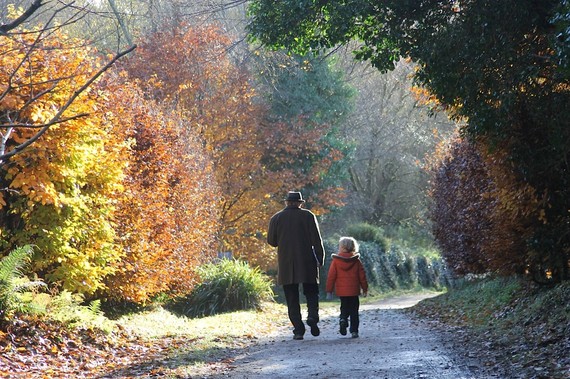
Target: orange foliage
(166, 219)
(516, 208)
(291, 146)
(122, 196)
(189, 70)
(426, 99)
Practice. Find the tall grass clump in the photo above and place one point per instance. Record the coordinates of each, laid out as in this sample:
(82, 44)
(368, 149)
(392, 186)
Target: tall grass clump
(226, 286)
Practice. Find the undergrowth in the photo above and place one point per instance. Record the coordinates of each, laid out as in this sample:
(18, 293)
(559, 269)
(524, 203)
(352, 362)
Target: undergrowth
(14, 284)
(521, 326)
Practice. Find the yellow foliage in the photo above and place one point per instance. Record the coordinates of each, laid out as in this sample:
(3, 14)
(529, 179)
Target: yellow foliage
(63, 186)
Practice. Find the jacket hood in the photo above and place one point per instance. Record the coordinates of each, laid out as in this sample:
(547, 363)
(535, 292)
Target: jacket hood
(345, 261)
(346, 256)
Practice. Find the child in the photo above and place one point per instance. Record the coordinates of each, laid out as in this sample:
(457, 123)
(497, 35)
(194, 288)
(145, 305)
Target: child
(346, 276)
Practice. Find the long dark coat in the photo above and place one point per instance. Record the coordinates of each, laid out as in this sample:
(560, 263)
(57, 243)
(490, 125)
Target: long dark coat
(295, 233)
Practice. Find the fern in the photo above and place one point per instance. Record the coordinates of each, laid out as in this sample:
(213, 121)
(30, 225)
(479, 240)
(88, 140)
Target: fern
(95, 308)
(11, 265)
(12, 280)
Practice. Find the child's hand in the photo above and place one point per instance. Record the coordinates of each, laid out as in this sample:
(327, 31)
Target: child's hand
(329, 296)
(365, 294)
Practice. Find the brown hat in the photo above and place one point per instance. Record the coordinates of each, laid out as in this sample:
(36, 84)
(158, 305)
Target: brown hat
(295, 196)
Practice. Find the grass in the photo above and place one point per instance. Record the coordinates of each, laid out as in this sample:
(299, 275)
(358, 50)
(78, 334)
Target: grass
(159, 322)
(227, 285)
(474, 303)
(206, 339)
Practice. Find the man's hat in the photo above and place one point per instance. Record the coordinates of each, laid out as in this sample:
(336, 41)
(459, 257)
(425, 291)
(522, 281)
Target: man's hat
(295, 196)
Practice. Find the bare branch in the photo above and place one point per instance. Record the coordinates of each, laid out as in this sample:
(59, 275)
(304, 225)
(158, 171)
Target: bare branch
(40, 126)
(121, 22)
(57, 118)
(4, 29)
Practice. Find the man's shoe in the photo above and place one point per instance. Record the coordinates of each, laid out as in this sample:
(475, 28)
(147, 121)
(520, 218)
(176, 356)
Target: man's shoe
(343, 325)
(314, 327)
(354, 334)
(298, 337)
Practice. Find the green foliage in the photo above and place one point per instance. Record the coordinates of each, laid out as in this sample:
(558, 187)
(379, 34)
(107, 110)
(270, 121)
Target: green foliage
(11, 266)
(467, 300)
(414, 237)
(70, 308)
(369, 233)
(13, 282)
(561, 21)
(305, 86)
(415, 241)
(315, 25)
(509, 79)
(226, 286)
(310, 93)
(18, 294)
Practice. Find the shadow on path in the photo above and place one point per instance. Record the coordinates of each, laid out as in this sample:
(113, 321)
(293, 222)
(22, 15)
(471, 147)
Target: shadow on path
(392, 345)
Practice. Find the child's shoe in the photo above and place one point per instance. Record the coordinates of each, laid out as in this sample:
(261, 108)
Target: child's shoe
(343, 325)
(354, 334)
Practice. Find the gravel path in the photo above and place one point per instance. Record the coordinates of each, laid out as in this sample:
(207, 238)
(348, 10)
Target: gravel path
(392, 345)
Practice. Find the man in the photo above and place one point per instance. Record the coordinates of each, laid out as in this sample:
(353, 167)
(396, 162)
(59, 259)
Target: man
(300, 253)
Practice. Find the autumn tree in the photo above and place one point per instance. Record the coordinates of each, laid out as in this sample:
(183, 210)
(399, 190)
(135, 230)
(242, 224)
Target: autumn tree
(188, 69)
(57, 192)
(21, 27)
(166, 218)
(310, 93)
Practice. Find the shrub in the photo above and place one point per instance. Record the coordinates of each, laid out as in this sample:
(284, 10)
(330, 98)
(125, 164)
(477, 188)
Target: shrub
(414, 237)
(226, 286)
(395, 269)
(369, 233)
(486, 218)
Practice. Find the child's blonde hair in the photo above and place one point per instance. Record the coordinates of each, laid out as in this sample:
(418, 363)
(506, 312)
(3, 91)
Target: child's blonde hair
(348, 244)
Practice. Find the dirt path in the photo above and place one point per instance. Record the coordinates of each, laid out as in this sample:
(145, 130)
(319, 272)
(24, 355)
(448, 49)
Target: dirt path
(392, 345)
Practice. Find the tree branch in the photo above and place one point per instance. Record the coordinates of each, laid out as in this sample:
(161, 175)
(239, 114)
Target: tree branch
(57, 118)
(4, 29)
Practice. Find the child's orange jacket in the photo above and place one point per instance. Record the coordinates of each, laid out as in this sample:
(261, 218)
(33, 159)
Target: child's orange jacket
(346, 275)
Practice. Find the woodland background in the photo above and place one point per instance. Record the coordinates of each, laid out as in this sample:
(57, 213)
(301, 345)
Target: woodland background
(141, 139)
